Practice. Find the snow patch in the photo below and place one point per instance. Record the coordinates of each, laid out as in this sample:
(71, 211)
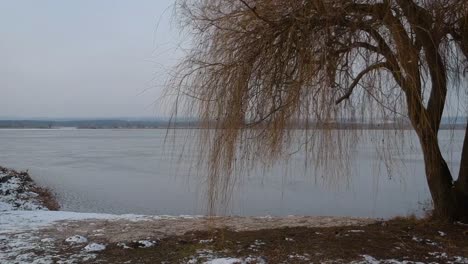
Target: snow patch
(123, 245)
(146, 243)
(371, 260)
(76, 239)
(5, 206)
(11, 221)
(47, 240)
(304, 257)
(442, 234)
(460, 260)
(94, 247)
(224, 261)
(256, 245)
(207, 241)
(438, 255)
(207, 256)
(16, 191)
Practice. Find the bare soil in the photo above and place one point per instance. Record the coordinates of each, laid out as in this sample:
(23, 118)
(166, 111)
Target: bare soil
(399, 239)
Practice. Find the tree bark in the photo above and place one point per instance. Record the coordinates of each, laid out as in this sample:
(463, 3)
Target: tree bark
(463, 175)
(449, 203)
(439, 178)
(461, 186)
(450, 199)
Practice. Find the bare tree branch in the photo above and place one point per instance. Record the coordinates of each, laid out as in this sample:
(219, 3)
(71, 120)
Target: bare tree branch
(358, 79)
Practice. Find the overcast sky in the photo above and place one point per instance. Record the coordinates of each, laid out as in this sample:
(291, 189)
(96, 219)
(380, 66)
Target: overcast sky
(85, 58)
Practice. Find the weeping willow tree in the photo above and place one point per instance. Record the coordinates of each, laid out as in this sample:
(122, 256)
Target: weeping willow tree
(257, 68)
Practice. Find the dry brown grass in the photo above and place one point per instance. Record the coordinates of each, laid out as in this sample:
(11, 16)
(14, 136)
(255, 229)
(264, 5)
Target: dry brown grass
(399, 239)
(46, 198)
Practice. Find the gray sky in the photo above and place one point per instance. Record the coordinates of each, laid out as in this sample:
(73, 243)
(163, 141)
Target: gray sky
(90, 58)
(85, 58)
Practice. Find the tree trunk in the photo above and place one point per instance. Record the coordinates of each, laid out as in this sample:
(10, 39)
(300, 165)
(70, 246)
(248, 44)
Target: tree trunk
(461, 186)
(439, 178)
(462, 181)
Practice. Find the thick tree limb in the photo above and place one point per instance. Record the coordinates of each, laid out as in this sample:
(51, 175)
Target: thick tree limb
(358, 79)
(437, 70)
(389, 55)
(422, 23)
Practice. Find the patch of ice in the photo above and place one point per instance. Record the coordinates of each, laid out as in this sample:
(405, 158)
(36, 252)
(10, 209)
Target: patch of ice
(94, 247)
(77, 239)
(207, 241)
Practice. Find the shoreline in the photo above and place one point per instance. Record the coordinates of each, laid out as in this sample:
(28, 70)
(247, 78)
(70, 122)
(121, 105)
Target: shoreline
(31, 233)
(18, 191)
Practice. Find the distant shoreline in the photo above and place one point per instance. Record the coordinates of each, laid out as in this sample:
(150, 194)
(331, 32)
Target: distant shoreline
(447, 124)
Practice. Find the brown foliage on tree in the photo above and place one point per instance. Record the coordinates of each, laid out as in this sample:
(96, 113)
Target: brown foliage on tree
(257, 67)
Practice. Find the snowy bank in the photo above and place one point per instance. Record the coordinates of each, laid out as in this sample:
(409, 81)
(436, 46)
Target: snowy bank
(19, 192)
(13, 221)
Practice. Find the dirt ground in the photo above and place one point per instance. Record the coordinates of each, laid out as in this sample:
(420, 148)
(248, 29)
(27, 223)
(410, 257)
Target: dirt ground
(364, 241)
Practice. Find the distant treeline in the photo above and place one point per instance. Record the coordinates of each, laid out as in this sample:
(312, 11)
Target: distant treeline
(89, 124)
(148, 124)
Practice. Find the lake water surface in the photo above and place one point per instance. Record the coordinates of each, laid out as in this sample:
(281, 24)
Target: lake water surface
(135, 171)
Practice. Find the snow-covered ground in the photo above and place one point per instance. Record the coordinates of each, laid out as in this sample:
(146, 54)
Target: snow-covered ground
(34, 220)
(17, 192)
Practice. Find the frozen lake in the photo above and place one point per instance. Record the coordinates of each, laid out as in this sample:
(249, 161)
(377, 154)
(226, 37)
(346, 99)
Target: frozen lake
(134, 171)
